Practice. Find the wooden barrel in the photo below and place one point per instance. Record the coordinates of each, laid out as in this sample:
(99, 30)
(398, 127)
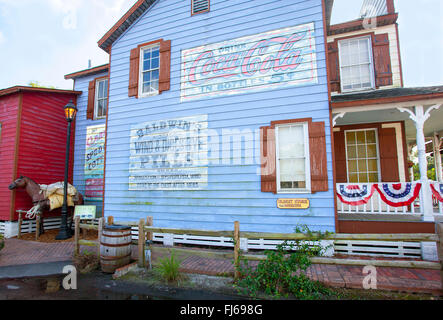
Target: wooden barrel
(115, 247)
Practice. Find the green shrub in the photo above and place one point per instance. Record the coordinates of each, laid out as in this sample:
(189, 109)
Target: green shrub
(2, 242)
(282, 273)
(169, 268)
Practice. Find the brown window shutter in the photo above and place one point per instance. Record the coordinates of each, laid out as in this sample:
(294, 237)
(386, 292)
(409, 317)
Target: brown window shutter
(317, 147)
(341, 175)
(91, 100)
(268, 160)
(334, 67)
(165, 66)
(134, 72)
(382, 60)
(388, 155)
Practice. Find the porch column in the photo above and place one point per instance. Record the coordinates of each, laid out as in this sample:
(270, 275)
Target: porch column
(437, 157)
(419, 118)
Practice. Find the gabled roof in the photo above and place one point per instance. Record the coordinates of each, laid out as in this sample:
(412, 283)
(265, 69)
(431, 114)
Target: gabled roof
(141, 6)
(124, 23)
(16, 89)
(88, 72)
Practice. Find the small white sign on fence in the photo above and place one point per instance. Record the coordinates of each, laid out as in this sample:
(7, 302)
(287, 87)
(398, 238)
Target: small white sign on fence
(85, 212)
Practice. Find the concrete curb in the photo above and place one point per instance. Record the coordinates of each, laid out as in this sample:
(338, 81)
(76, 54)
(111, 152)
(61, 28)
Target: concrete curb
(33, 270)
(124, 270)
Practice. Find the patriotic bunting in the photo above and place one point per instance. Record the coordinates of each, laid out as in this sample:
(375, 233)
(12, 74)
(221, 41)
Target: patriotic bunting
(355, 195)
(437, 190)
(398, 194)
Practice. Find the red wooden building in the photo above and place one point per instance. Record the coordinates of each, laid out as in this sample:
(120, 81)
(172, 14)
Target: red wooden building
(32, 142)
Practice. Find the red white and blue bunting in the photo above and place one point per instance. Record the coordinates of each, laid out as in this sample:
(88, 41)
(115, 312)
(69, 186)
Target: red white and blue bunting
(356, 194)
(398, 194)
(437, 190)
(393, 194)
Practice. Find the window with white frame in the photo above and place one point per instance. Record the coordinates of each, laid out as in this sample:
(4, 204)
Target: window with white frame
(362, 156)
(293, 163)
(150, 70)
(101, 98)
(356, 66)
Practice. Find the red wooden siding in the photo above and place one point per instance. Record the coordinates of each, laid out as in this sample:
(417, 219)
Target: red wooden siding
(8, 119)
(42, 145)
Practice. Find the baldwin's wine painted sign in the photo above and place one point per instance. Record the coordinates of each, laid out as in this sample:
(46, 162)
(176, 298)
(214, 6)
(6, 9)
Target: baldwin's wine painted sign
(169, 154)
(279, 58)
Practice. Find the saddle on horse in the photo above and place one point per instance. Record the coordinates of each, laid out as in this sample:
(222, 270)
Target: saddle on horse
(54, 193)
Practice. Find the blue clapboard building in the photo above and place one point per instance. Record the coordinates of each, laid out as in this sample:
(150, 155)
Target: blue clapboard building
(214, 111)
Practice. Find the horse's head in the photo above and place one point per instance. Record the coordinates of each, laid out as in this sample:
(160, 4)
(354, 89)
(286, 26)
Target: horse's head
(19, 183)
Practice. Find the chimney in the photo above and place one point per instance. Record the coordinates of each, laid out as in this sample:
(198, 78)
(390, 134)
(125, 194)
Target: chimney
(376, 8)
(89, 64)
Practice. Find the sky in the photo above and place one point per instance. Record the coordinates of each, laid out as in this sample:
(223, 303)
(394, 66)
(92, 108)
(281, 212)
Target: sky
(43, 40)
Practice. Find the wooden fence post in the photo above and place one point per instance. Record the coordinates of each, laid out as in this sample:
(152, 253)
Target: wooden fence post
(149, 237)
(101, 223)
(37, 227)
(141, 243)
(439, 232)
(20, 220)
(76, 235)
(236, 249)
(149, 223)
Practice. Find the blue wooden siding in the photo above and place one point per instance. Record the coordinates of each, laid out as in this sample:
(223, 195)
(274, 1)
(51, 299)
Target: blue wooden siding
(81, 124)
(233, 191)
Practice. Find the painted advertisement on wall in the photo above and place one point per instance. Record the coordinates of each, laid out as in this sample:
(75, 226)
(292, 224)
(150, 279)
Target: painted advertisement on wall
(279, 58)
(169, 154)
(94, 162)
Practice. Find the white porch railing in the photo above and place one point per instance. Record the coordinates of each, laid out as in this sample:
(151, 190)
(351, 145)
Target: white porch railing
(376, 205)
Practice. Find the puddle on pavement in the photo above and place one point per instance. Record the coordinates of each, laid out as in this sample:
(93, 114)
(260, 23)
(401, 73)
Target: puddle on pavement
(52, 288)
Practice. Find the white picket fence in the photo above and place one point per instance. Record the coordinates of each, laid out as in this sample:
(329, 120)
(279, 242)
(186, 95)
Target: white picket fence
(379, 248)
(366, 248)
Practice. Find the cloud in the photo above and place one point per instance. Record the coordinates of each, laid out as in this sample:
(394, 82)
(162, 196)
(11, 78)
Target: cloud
(2, 38)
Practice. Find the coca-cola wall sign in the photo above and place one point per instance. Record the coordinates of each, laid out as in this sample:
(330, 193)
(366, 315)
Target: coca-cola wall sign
(279, 58)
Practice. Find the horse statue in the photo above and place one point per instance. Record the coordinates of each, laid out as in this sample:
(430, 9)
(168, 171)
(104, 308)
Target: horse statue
(46, 198)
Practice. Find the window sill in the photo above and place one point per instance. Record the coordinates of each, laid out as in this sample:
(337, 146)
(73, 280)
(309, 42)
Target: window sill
(294, 192)
(146, 95)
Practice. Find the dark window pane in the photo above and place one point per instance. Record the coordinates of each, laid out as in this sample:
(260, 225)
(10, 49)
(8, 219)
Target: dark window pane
(155, 63)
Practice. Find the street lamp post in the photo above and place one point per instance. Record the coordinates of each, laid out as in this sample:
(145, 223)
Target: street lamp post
(65, 233)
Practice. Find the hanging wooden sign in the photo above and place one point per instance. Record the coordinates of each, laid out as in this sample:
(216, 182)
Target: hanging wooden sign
(293, 203)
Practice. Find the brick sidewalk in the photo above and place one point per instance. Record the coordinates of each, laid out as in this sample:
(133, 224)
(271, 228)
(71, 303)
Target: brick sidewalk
(20, 252)
(394, 279)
